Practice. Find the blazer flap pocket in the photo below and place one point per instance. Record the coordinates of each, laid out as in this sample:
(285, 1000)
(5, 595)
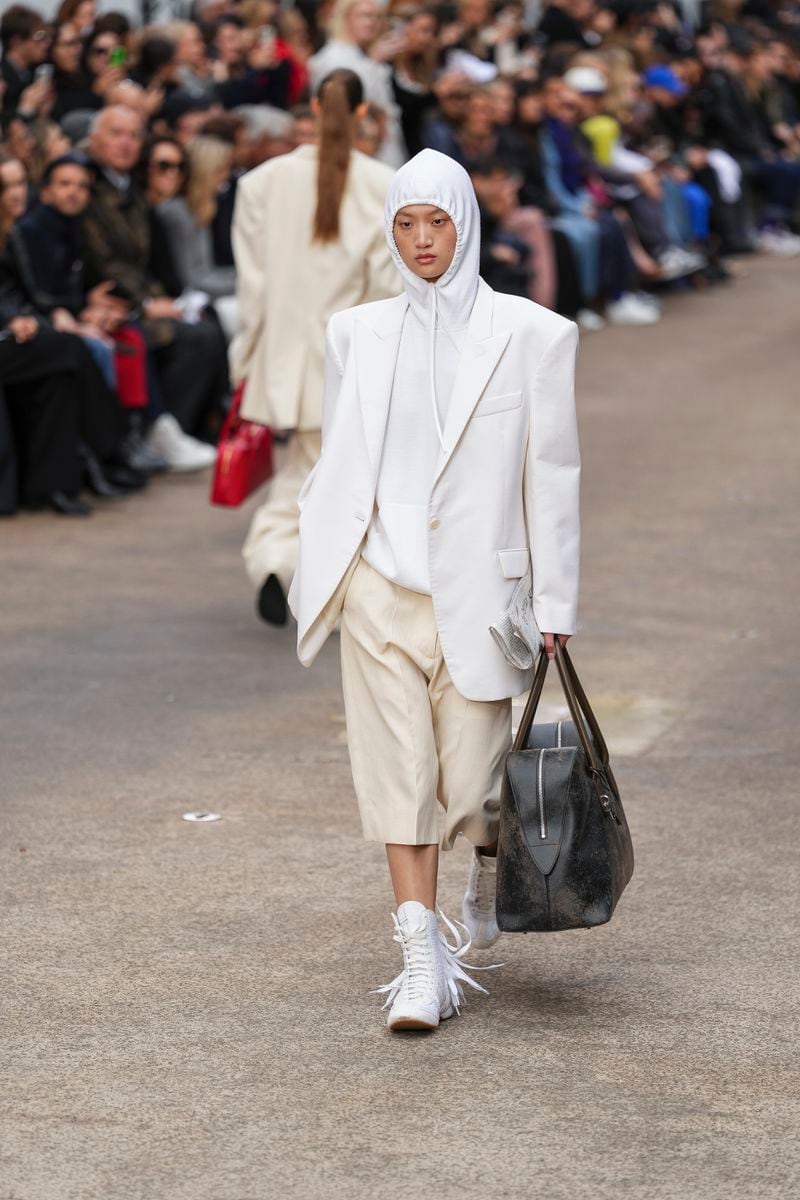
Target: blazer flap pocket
(514, 563)
(497, 404)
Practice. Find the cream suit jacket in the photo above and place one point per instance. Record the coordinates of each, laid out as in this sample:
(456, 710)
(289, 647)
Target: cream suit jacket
(505, 492)
(287, 285)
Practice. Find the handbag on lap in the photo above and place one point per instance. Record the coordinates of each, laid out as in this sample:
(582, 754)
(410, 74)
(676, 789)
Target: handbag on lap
(244, 457)
(564, 853)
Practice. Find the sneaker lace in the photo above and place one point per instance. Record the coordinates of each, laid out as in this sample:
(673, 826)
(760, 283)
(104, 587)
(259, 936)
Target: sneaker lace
(418, 969)
(454, 954)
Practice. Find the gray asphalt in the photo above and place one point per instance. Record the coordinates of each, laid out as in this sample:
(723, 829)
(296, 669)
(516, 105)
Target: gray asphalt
(186, 1007)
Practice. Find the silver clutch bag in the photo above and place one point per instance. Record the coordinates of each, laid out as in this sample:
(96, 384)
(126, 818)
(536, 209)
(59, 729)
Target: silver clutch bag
(517, 633)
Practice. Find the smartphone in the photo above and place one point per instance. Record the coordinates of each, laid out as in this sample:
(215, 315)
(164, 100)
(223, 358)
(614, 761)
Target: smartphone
(118, 57)
(43, 72)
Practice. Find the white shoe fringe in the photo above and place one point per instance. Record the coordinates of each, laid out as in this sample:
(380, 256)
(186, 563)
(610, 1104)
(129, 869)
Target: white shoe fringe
(454, 963)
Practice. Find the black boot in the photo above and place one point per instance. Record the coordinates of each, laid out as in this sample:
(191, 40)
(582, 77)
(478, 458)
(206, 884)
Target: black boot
(95, 476)
(123, 476)
(272, 606)
(68, 506)
(136, 453)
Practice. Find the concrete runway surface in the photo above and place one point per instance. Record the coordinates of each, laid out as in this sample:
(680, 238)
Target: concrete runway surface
(186, 1008)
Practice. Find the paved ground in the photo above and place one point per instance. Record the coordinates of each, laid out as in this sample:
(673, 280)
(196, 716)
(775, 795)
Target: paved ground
(186, 1007)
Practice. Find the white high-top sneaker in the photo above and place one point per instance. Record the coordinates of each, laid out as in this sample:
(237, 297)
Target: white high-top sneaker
(180, 451)
(479, 902)
(418, 997)
(428, 989)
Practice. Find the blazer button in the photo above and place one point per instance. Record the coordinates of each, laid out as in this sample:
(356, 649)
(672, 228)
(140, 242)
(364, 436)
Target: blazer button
(434, 523)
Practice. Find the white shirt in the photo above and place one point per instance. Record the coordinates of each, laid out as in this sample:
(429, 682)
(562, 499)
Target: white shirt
(397, 538)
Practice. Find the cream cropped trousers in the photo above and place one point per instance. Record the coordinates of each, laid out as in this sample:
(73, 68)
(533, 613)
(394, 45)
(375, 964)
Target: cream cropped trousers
(417, 746)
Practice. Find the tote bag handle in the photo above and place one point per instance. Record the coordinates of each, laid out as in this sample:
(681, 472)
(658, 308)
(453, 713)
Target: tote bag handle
(580, 711)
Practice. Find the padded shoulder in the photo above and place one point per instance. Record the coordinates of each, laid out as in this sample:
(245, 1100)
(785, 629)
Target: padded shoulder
(521, 313)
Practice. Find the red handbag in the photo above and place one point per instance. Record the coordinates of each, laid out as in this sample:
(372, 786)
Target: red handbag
(244, 457)
(130, 358)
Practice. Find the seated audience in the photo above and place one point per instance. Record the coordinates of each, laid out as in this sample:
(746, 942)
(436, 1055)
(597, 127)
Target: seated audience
(187, 214)
(189, 358)
(620, 152)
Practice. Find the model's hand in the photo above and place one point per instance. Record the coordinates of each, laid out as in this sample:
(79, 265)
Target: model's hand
(550, 642)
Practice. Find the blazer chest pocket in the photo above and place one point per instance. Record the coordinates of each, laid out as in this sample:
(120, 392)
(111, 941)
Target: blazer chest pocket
(497, 404)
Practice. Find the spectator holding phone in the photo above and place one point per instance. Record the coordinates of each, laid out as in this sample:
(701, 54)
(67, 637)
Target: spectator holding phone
(357, 44)
(26, 44)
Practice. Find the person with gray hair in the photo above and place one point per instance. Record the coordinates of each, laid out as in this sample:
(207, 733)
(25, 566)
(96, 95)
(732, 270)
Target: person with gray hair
(268, 130)
(189, 359)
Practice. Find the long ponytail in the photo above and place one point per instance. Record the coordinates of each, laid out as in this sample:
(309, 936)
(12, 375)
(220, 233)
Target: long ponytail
(339, 95)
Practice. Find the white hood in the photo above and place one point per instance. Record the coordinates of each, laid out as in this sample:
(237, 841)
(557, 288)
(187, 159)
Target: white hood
(445, 306)
(434, 178)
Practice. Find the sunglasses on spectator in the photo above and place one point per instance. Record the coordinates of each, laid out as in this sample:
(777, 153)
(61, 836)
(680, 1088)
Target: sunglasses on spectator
(166, 164)
(104, 50)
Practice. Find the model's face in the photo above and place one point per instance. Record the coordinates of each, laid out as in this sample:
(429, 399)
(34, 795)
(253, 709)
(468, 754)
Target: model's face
(426, 239)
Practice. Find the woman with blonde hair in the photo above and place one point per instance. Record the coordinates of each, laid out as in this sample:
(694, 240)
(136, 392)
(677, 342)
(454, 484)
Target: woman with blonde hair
(308, 241)
(356, 42)
(187, 220)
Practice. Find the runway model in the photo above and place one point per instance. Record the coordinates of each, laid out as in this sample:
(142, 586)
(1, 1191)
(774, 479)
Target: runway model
(308, 240)
(450, 467)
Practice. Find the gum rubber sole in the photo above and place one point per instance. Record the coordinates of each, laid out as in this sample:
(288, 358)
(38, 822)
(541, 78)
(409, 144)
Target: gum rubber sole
(410, 1023)
(402, 1023)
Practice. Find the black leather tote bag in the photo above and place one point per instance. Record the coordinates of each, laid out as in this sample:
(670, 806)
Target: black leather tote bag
(564, 852)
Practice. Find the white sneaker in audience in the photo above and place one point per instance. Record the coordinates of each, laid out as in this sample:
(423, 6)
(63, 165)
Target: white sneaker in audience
(630, 310)
(181, 452)
(649, 298)
(779, 242)
(590, 321)
(676, 263)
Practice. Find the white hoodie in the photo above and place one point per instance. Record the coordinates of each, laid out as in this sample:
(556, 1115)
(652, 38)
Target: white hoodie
(433, 336)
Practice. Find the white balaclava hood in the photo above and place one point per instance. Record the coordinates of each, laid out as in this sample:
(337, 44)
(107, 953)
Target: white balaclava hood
(434, 178)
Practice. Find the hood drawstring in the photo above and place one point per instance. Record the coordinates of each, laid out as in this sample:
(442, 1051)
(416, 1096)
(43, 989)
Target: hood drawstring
(435, 179)
(432, 366)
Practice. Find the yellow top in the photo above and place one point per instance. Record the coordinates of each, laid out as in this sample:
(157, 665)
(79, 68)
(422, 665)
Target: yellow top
(603, 132)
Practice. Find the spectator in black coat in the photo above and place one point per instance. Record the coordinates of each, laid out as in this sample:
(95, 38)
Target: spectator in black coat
(25, 42)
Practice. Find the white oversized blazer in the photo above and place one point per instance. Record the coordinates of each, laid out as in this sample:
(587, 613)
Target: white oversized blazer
(287, 285)
(505, 492)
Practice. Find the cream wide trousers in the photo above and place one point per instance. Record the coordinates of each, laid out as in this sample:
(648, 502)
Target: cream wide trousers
(415, 742)
(270, 547)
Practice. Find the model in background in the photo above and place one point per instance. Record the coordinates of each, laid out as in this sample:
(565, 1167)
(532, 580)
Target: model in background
(308, 241)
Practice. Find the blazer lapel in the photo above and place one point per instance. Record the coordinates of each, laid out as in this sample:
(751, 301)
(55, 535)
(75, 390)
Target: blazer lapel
(376, 346)
(475, 368)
